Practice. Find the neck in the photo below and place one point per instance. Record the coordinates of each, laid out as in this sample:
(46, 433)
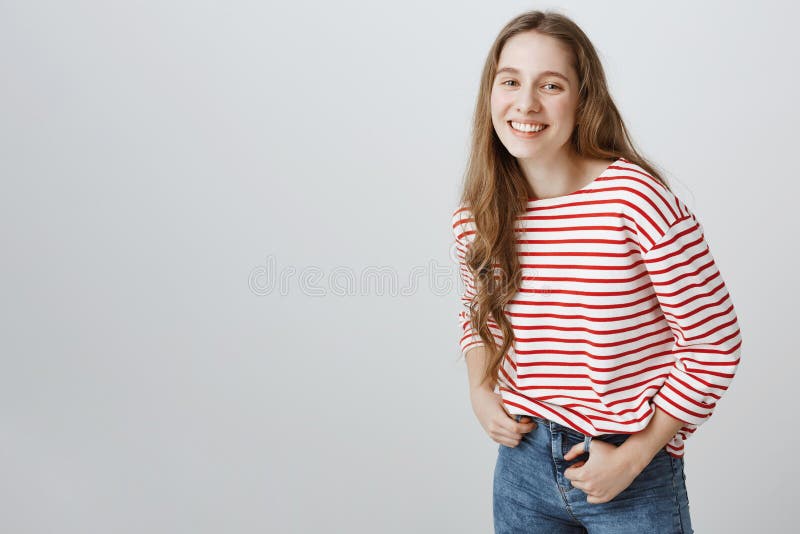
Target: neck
(555, 175)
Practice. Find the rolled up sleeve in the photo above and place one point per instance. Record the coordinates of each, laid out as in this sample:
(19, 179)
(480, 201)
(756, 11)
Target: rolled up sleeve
(699, 310)
(462, 230)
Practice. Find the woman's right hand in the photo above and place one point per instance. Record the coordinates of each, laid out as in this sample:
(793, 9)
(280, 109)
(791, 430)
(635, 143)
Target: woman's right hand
(495, 420)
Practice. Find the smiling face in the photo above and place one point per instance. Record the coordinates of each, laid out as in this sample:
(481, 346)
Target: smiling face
(535, 85)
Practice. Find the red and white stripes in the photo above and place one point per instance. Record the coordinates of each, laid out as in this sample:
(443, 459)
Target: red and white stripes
(621, 306)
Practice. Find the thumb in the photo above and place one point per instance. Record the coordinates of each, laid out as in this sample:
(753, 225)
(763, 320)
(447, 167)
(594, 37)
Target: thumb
(574, 452)
(503, 406)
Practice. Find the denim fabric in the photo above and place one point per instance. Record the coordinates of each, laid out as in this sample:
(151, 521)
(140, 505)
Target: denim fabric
(532, 495)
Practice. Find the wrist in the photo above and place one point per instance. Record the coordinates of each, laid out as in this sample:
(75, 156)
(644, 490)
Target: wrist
(638, 451)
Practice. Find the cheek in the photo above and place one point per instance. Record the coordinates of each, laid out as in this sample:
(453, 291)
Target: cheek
(495, 104)
(565, 109)
(500, 101)
(497, 109)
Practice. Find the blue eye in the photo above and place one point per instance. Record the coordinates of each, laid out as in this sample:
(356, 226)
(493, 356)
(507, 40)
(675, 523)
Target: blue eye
(545, 85)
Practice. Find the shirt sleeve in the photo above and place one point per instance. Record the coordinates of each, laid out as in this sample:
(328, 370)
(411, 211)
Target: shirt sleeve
(463, 230)
(696, 305)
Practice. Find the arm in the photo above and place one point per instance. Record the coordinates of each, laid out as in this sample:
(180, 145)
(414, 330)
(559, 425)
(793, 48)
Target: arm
(463, 227)
(472, 346)
(476, 365)
(707, 340)
(642, 446)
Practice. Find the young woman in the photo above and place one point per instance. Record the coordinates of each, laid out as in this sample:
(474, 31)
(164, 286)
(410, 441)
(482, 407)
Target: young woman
(598, 332)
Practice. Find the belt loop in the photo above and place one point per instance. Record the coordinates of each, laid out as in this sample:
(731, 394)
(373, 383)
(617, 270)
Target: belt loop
(586, 441)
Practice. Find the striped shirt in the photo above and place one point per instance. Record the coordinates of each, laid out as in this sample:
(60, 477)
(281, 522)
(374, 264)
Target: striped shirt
(621, 307)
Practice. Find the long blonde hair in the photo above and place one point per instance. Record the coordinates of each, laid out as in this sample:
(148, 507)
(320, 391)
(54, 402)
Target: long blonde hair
(495, 188)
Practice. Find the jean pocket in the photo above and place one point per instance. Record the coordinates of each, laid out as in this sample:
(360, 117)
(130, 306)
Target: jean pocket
(614, 439)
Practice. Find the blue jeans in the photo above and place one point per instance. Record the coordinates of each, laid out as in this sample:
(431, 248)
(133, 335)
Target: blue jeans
(532, 495)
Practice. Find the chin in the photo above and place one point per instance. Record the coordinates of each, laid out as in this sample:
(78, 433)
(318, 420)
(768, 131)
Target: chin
(524, 152)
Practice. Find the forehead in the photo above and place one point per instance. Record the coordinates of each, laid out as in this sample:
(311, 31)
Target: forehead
(533, 54)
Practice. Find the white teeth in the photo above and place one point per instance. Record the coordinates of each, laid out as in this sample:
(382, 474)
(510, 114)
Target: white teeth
(527, 127)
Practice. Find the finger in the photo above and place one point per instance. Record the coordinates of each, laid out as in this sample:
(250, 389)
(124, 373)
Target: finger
(574, 475)
(509, 440)
(510, 443)
(523, 428)
(509, 431)
(506, 434)
(524, 425)
(575, 451)
(578, 484)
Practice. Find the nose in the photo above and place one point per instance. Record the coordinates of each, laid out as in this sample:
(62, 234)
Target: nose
(527, 100)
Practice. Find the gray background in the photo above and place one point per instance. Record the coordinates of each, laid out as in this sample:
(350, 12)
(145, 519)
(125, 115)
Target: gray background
(158, 159)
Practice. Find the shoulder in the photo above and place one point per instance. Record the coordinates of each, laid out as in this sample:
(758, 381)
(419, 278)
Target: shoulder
(650, 205)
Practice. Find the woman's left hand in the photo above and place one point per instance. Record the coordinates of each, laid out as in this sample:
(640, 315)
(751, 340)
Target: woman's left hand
(607, 472)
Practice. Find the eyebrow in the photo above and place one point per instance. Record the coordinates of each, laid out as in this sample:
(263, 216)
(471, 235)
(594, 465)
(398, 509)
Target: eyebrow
(512, 70)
